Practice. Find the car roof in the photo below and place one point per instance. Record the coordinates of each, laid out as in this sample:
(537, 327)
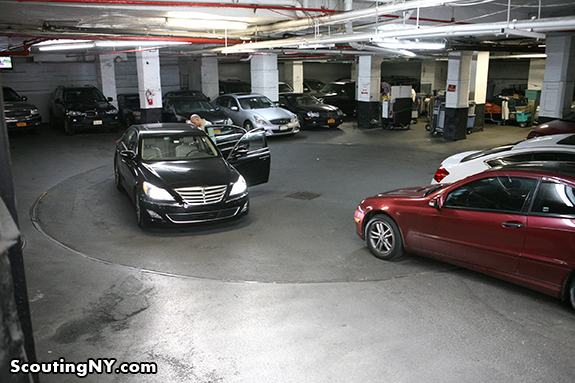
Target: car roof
(166, 127)
(185, 97)
(245, 94)
(549, 168)
(295, 94)
(549, 140)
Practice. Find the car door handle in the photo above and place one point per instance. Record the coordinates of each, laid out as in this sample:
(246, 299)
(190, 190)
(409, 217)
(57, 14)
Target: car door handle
(517, 225)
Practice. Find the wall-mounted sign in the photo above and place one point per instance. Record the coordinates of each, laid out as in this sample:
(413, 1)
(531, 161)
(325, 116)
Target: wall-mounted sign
(451, 88)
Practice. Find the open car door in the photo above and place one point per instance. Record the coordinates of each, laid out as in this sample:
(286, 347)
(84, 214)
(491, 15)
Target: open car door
(247, 151)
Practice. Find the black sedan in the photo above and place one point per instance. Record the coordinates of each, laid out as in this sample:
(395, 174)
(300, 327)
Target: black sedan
(175, 174)
(180, 108)
(310, 111)
(20, 115)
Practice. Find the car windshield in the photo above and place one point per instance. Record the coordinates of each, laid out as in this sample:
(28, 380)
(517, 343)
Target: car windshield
(83, 95)
(132, 101)
(333, 87)
(285, 87)
(259, 102)
(10, 95)
(302, 99)
(177, 147)
(487, 152)
(185, 106)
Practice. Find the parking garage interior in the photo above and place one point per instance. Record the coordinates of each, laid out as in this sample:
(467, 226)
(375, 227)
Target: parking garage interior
(288, 293)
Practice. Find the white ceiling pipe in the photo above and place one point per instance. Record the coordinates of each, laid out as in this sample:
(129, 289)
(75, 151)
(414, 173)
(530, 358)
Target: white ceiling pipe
(343, 17)
(538, 25)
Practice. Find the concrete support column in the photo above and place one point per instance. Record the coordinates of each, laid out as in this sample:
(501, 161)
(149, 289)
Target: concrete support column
(294, 75)
(457, 95)
(368, 90)
(107, 77)
(559, 79)
(209, 77)
(149, 85)
(479, 70)
(536, 74)
(264, 75)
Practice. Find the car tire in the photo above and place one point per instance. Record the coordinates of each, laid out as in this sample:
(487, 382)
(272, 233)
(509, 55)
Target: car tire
(68, 128)
(117, 180)
(53, 122)
(572, 292)
(248, 125)
(383, 237)
(300, 120)
(141, 215)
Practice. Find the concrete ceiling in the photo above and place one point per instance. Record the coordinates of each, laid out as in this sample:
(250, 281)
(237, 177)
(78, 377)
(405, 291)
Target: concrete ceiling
(293, 29)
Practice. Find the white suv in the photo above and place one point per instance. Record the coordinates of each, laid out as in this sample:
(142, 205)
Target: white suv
(251, 110)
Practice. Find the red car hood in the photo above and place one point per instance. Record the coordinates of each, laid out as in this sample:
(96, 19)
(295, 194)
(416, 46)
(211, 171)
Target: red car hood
(411, 192)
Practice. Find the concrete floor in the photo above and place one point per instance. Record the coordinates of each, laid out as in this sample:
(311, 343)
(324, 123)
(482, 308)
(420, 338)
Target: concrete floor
(288, 293)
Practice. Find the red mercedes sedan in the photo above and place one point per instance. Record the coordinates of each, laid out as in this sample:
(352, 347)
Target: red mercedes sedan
(516, 223)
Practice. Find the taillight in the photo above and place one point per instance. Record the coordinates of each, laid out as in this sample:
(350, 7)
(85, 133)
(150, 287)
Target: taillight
(440, 174)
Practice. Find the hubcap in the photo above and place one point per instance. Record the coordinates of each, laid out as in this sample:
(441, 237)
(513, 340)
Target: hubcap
(381, 236)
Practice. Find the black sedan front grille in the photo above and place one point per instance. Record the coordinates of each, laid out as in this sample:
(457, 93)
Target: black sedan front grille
(199, 195)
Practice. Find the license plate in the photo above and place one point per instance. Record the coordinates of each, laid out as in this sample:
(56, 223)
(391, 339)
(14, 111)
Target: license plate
(331, 121)
(20, 124)
(284, 127)
(97, 122)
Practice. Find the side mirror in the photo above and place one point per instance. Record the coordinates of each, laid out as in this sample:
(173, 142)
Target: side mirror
(128, 154)
(435, 202)
(110, 99)
(24, 98)
(58, 101)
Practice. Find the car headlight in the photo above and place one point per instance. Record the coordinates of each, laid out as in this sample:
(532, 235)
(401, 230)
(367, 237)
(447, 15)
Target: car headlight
(339, 112)
(229, 121)
(34, 112)
(312, 114)
(239, 187)
(75, 113)
(294, 118)
(156, 193)
(260, 120)
(136, 113)
(112, 111)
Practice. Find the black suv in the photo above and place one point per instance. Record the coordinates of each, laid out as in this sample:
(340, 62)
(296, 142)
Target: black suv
(19, 114)
(84, 107)
(341, 94)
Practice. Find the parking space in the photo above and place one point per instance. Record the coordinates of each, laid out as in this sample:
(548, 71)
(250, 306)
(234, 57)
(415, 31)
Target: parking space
(288, 293)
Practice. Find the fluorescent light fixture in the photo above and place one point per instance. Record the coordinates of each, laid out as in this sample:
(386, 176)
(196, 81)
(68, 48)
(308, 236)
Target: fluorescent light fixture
(407, 53)
(408, 44)
(63, 47)
(87, 44)
(315, 46)
(136, 43)
(206, 24)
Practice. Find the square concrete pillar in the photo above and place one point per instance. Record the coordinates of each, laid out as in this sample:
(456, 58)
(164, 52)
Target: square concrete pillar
(107, 77)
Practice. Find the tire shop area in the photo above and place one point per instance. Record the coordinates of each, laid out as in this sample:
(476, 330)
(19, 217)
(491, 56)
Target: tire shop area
(287, 292)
